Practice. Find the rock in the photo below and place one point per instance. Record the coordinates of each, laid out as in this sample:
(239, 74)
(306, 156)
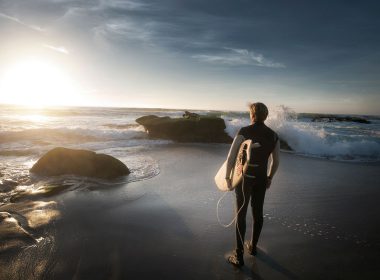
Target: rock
(203, 129)
(7, 185)
(334, 118)
(189, 115)
(60, 161)
(284, 145)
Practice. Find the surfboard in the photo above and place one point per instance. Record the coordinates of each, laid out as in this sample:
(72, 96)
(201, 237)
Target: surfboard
(220, 178)
(239, 168)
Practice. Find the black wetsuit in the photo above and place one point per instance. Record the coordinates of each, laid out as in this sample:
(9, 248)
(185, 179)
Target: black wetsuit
(254, 188)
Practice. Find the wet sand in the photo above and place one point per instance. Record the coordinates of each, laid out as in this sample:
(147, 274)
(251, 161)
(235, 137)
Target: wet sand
(321, 222)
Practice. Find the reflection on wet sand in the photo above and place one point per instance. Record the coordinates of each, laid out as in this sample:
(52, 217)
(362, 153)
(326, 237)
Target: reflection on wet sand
(12, 234)
(22, 223)
(26, 237)
(27, 192)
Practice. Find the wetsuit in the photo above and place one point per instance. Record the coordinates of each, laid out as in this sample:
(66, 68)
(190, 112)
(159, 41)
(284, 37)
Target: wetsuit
(255, 180)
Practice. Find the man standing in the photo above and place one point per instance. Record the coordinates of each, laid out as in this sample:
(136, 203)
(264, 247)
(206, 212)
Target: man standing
(256, 180)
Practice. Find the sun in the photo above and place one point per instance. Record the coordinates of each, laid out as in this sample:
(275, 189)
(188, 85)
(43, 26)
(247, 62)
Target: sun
(36, 83)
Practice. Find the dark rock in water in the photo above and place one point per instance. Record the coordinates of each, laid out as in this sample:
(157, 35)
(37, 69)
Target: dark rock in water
(189, 115)
(334, 118)
(60, 161)
(7, 185)
(204, 129)
(285, 146)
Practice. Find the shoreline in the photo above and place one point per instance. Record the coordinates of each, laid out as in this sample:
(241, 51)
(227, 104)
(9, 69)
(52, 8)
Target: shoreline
(166, 226)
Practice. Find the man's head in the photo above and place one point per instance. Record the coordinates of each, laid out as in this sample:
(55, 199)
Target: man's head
(258, 112)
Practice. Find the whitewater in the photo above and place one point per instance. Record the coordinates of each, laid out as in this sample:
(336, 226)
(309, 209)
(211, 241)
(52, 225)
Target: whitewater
(30, 132)
(27, 133)
(343, 141)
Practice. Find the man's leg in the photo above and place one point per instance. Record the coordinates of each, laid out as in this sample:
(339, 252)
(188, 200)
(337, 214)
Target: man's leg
(243, 194)
(257, 203)
(242, 200)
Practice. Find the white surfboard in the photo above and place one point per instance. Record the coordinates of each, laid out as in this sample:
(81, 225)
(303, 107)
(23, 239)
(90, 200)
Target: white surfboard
(240, 167)
(220, 178)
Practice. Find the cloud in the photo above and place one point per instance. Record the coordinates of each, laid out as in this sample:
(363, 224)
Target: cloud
(123, 5)
(192, 30)
(261, 34)
(238, 57)
(194, 34)
(124, 30)
(14, 19)
(57, 49)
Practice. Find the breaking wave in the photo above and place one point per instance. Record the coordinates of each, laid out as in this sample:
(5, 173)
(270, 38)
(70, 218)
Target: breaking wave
(338, 141)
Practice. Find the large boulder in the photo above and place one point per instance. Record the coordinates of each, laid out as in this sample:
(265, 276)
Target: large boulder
(204, 129)
(60, 161)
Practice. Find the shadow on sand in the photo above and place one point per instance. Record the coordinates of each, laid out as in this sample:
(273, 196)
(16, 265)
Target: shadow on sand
(253, 271)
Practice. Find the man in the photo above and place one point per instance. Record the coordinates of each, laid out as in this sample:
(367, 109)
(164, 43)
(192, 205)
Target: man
(256, 180)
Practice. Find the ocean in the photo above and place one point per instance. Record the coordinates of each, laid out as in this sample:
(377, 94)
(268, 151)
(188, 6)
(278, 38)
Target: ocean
(27, 133)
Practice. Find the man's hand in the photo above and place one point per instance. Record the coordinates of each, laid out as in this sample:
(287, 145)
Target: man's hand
(229, 183)
(269, 182)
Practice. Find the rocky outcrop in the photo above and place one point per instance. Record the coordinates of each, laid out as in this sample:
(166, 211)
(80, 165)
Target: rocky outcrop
(333, 118)
(201, 129)
(60, 161)
(204, 129)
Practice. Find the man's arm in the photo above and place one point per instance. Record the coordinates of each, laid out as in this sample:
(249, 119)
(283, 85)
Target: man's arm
(275, 162)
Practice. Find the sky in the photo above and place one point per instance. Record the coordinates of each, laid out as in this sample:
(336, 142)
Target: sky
(311, 56)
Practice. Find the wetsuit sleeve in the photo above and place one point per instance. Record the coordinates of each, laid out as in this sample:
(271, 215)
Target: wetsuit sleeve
(275, 159)
(231, 158)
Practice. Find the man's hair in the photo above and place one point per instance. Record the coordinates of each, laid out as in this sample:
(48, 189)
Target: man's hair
(259, 111)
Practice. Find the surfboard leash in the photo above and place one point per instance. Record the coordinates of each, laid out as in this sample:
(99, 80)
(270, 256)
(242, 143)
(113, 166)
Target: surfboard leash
(237, 213)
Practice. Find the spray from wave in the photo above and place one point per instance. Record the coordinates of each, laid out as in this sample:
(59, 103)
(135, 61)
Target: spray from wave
(338, 141)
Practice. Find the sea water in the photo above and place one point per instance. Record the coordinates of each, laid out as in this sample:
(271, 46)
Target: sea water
(27, 133)
(343, 141)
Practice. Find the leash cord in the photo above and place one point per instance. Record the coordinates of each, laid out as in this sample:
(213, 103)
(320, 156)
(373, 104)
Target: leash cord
(236, 216)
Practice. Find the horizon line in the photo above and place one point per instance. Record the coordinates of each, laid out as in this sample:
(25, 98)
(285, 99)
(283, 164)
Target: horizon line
(163, 109)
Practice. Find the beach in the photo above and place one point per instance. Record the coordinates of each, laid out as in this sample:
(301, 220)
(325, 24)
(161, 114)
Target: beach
(117, 115)
(321, 221)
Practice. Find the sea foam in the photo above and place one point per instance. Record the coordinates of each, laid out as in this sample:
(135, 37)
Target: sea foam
(338, 141)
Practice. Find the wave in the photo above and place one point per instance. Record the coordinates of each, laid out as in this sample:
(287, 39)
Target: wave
(71, 135)
(16, 183)
(313, 139)
(120, 126)
(102, 128)
(25, 152)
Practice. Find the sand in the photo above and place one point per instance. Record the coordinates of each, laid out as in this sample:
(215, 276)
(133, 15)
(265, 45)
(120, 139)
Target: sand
(321, 222)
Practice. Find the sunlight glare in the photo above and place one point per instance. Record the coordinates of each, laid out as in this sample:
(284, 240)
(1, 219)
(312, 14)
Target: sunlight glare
(36, 83)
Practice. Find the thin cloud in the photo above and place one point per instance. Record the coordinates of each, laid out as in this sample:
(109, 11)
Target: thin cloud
(238, 57)
(123, 5)
(14, 19)
(57, 49)
(125, 31)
